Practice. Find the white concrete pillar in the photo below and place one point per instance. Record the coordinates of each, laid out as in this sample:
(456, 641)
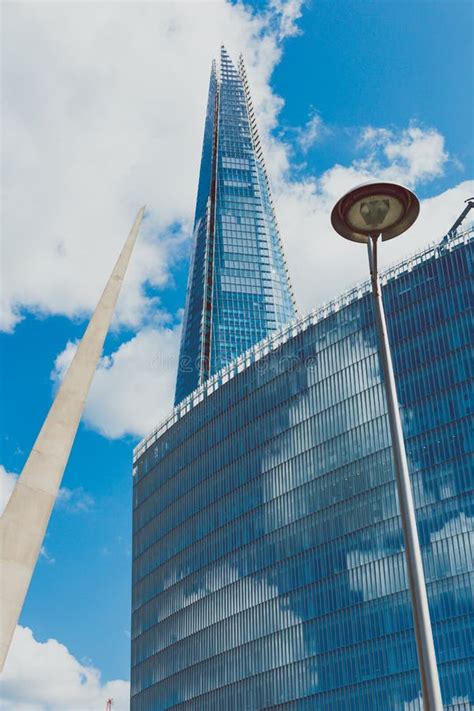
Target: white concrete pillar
(25, 519)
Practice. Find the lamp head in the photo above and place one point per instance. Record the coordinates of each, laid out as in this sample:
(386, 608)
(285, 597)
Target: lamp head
(375, 208)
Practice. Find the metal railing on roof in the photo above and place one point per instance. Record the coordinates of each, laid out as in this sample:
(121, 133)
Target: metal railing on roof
(264, 347)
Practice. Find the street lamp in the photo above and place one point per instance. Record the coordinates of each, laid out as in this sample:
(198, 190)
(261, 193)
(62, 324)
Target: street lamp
(365, 214)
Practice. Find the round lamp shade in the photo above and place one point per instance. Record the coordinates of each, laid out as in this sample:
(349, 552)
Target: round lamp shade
(372, 209)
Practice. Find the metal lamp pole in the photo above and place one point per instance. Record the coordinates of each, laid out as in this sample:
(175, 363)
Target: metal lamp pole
(421, 615)
(355, 217)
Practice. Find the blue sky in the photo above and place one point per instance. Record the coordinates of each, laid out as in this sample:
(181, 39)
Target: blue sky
(381, 63)
(103, 120)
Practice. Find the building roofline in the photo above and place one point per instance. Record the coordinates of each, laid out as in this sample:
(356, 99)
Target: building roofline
(272, 342)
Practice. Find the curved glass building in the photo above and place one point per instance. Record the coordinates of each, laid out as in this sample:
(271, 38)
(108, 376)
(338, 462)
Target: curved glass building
(268, 564)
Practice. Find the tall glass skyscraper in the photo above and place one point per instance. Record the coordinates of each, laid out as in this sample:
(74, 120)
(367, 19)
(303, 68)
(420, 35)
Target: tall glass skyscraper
(268, 564)
(238, 288)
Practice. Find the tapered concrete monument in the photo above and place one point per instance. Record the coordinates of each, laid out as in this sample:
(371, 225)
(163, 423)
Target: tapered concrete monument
(25, 519)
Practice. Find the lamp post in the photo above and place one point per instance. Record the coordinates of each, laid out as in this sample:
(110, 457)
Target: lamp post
(366, 214)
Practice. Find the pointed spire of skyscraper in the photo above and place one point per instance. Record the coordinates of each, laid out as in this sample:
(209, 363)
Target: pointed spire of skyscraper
(238, 288)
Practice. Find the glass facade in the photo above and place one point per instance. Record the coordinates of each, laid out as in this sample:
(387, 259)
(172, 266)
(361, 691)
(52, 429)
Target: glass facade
(268, 565)
(238, 289)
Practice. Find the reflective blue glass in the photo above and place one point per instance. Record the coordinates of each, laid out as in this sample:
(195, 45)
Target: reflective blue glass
(268, 564)
(238, 290)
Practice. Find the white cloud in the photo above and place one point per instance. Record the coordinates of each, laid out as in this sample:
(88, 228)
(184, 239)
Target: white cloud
(70, 500)
(133, 388)
(288, 13)
(464, 703)
(383, 582)
(454, 526)
(310, 133)
(74, 500)
(47, 557)
(323, 264)
(410, 156)
(446, 564)
(7, 484)
(97, 100)
(45, 676)
(257, 589)
(386, 581)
